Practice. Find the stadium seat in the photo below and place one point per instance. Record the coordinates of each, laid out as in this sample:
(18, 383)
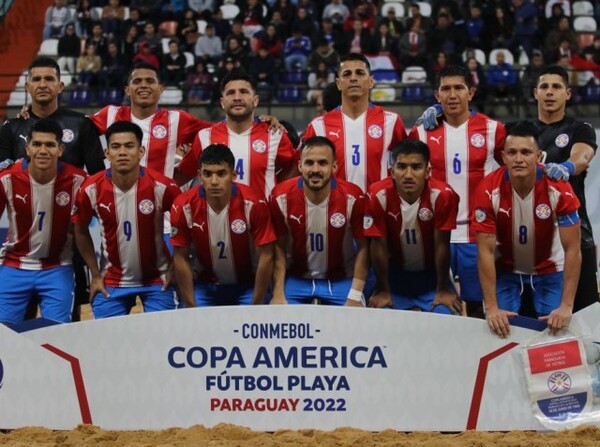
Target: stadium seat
(591, 93)
(126, 14)
(508, 56)
(189, 59)
(168, 28)
(49, 47)
(385, 76)
(22, 79)
(414, 75)
(396, 6)
(165, 44)
(171, 96)
(583, 8)
(80, 98)
(566, 6)
(424, 7)
(413, 93)
(112, 96)
(479, 56)
(585, 39)
(230, 11)
(295, 77)
(17, 98)
(585, 24)
(201, 24)
(293, 94)
(383, 94)
(97, 13)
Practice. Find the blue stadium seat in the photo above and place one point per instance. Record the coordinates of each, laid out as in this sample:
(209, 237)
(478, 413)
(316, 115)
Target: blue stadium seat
(591, 93)
(413, 93)
(112, 96)
(386, 76)
(293, 94)
(295, 77)
(80, 97)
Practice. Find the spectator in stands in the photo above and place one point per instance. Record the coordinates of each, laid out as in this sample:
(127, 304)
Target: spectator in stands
(114, 67)
(363, 13)
(202, 6)
(135, 19)
(152, 38)
(384, 43)
(305, 23)
(129, 46)
(69, 48)
(173, 65)
(222, 26)
(149, 9)
(112, 18)
(146, 55)
(358, 39)
(551, 22)
(479, 83)
(416, 21)
(395, 26)
(563, 48)
(237, 51)
(187, 30)
(477, 33)
(237, 33)
(199, 84)
(283, 27)
(587, 71)
(252, 18)
(445, 36)
(501, 28)
(556, 35)
(271, 41)
(57, 16)
(97, 39)
(441, 62)
(336, 7)
(413, 46)
(296, 50)
(333, 35)
(309, 7)
(83, 16)
(318, 79)
(450, 7)
(531, 74)
(286, 10)
(502, 79)
(88, 67)
(209, 46)
(173, 9)
(525, 32)
(594, 48)
(326, 54)
(264, 71)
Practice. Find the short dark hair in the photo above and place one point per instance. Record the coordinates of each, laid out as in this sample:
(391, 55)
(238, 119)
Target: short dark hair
(217, 154)
(355, 57)
(554, 70)
(144, 66)
(410, 146)
(125, 127)
(318, 141)
(332, 97)
(454, 70)
(236, 76)
(46, 125)
(522, 129)
(44, 62)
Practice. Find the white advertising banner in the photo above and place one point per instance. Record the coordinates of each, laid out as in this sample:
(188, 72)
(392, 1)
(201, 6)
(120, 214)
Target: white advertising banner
(269, 368)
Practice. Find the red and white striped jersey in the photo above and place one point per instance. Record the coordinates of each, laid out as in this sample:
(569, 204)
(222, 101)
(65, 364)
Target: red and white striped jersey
(320, 238)
(409, 228)
(363, 146)
(462, 156)
(259, 154)
(163, 132)
(39, 215)
(224, 241)
(131, 225)
(526, 229)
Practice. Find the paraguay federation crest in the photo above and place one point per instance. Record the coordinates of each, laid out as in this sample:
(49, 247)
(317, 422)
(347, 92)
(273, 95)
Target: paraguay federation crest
(375, 131)
(480, 215)
(477, 140)
(62, 198)
(337, 220)
(561, 140)
(68, 136)
(543, 211)
(259, 146)
(146, 206)
(367, 222)
(425, 214)
(238, 226)
(159, 131)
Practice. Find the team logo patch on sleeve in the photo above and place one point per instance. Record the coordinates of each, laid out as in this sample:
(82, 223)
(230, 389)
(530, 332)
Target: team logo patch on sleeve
(477, 140)
(62, 198)
(146, 206)
(337, 220)
(367, 222)
(238, 226)
(543, 211)
(159, 131)
(259, 146)
(425, 214)
(562, 140)
(375, 131)
(480, 215)
(68, 136)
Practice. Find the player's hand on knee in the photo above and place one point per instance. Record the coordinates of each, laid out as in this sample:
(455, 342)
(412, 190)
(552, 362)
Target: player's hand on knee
(497, 320)
(561, 171)
(449, 299)
(97, 286)
(558, 319)
(430, 116)
(381, 300)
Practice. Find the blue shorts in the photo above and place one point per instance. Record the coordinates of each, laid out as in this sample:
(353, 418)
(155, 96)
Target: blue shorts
(167, 239)
(412, 290)
(55, 288)
(305, 291)
(122, 299)
(546, 291)
(463, 263)
(224, 294)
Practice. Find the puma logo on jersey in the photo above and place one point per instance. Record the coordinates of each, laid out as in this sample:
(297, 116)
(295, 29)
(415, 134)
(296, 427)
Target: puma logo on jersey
(23, 198)
(568, 194)
(175, 207)
(24, 138)
(395, 216)
(197, 225)
(104, 205)
(436, 139)
(489, 194)
(502, 210)
(296, 218)
(337, 134)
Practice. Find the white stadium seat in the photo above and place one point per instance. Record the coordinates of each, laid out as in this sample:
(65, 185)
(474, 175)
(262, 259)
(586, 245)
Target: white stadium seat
(171, 96)
(508, 56)
(396, 6)
(424, 8)
(49, 47)
(479, 56)
(230, 11)
(189, 59)
(17, 98)
(583, 8)
(585, 24)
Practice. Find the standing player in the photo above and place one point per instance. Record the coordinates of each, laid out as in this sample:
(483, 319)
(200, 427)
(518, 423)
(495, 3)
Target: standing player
(532, 222)
(320, 220)
(230, 227)
(464, 148)
(129, 202)
(261, 157)
(36, 258)
(409, 220)
(80, 138)
(568, 148)
(363, 134)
